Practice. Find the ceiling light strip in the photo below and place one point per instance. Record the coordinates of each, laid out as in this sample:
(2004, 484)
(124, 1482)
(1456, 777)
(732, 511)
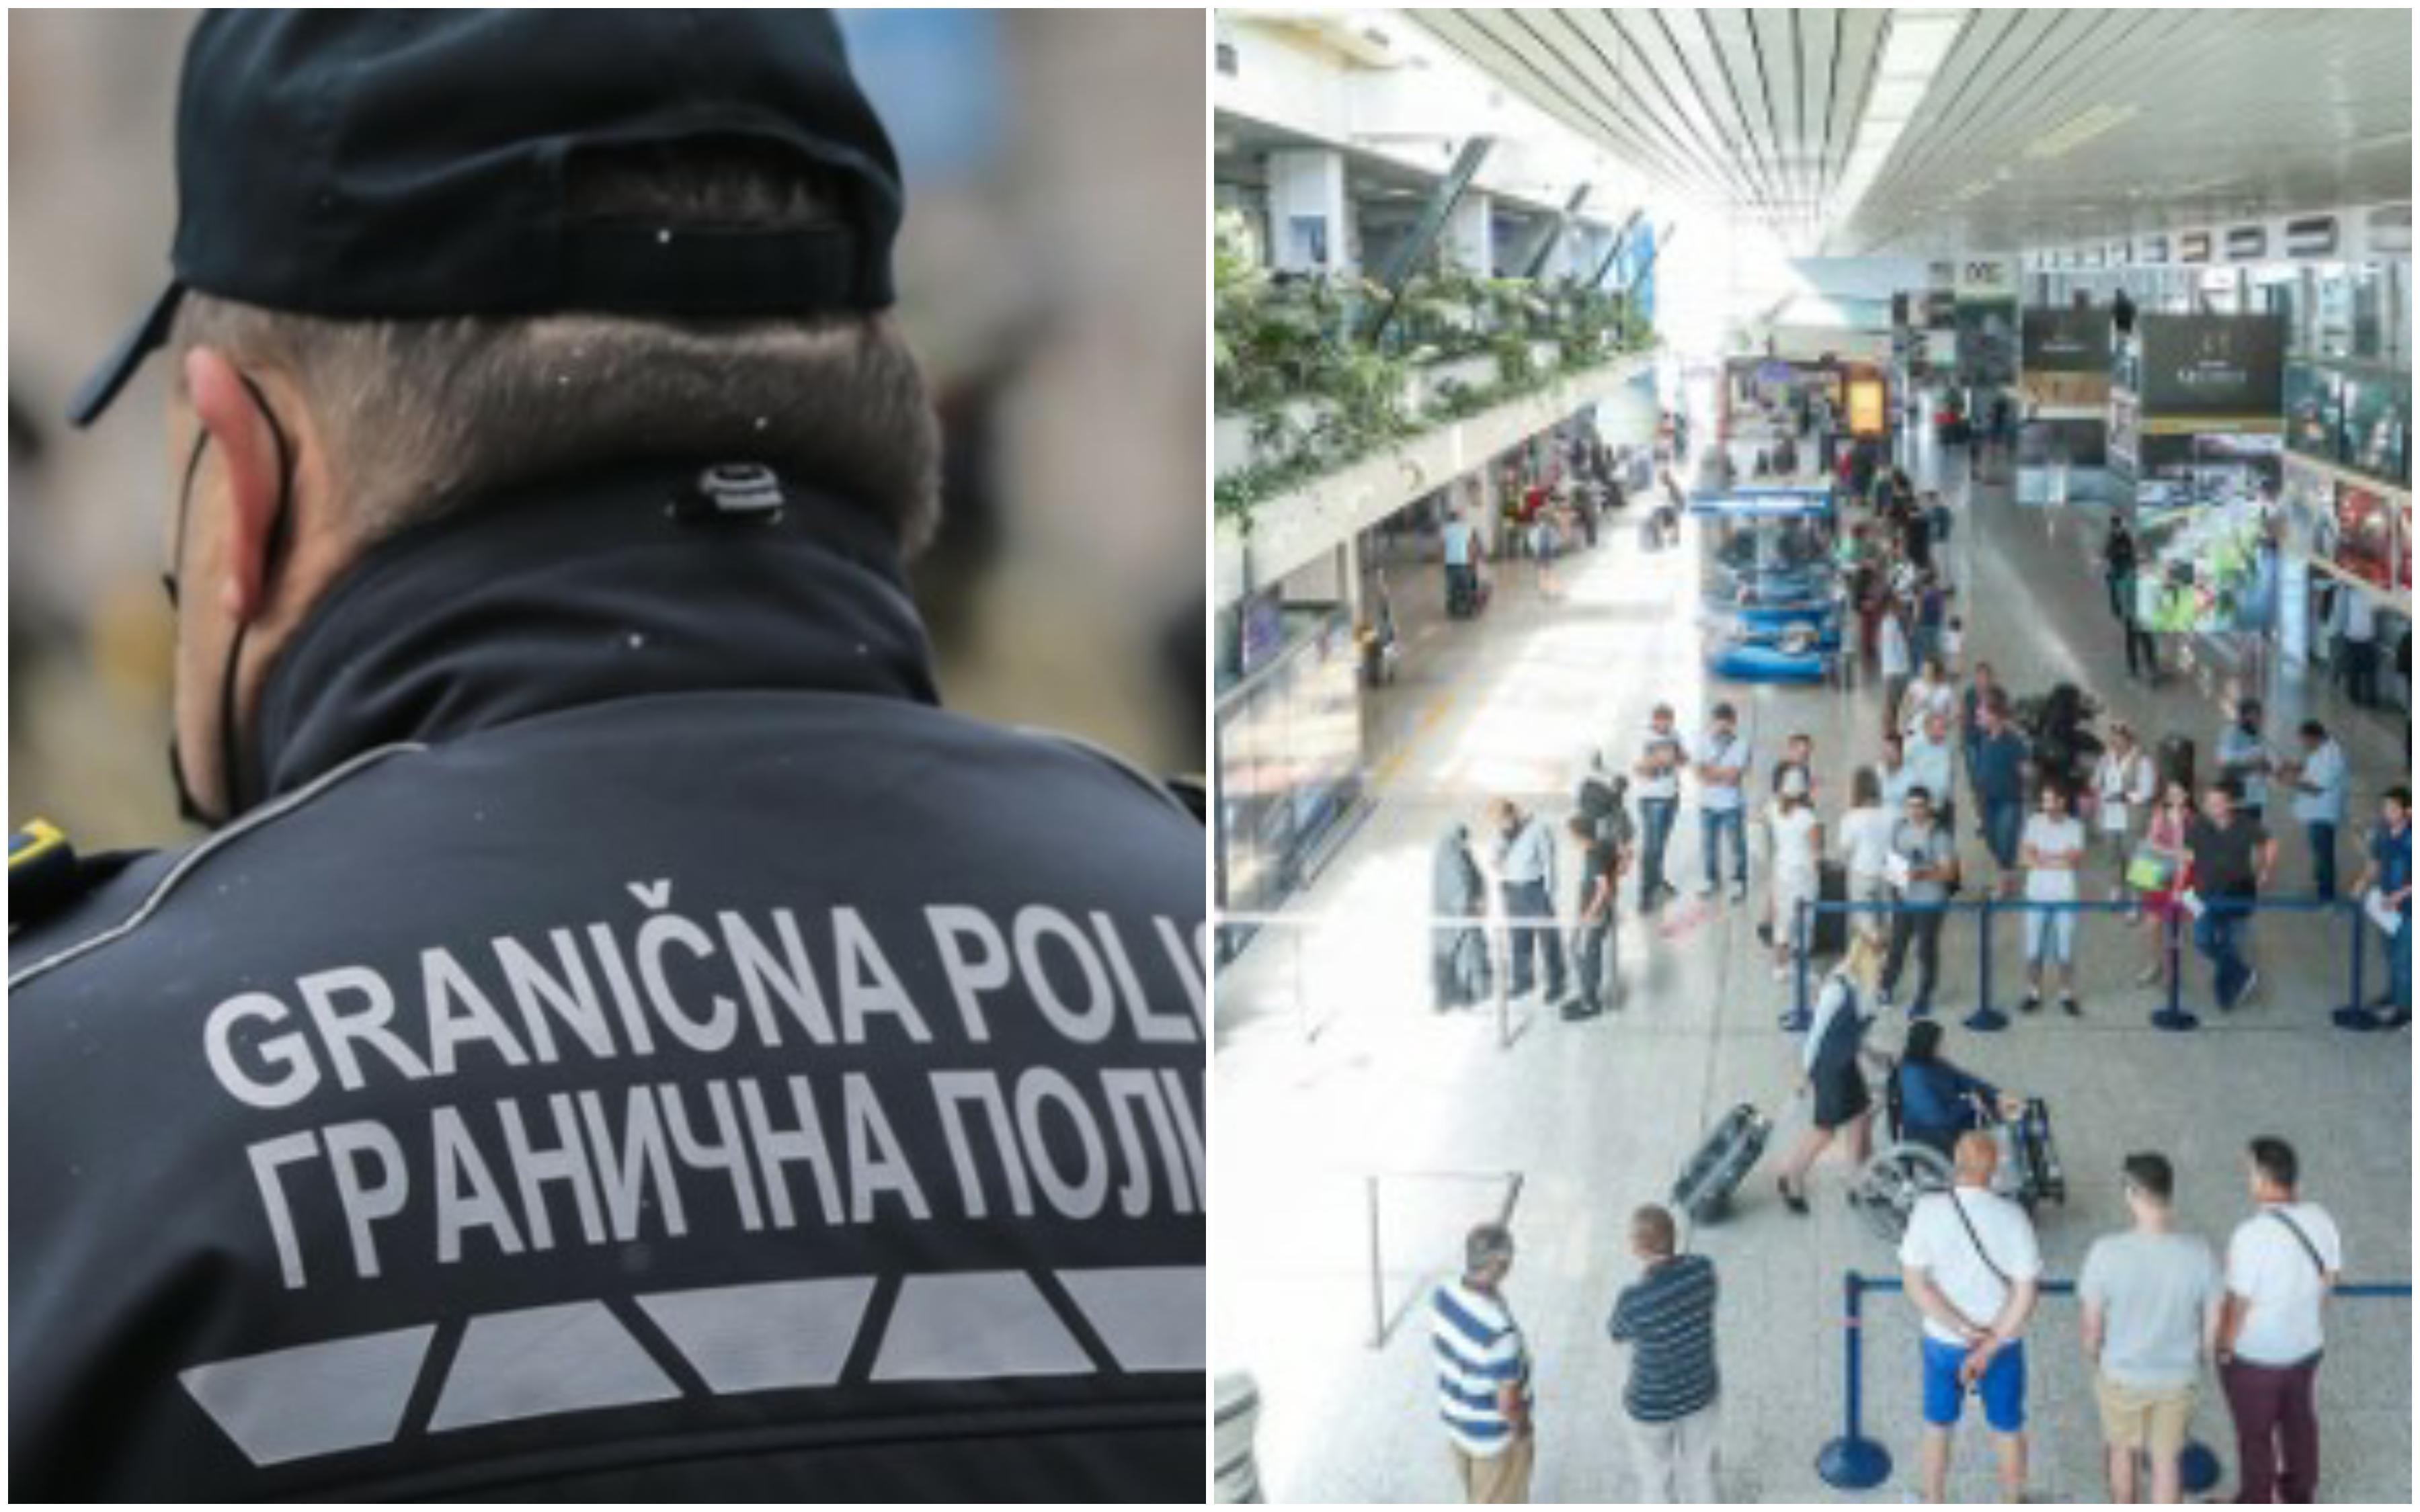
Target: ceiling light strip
(1913, 51)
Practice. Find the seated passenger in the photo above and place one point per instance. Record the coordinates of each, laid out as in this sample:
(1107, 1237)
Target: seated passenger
(1937, 1102)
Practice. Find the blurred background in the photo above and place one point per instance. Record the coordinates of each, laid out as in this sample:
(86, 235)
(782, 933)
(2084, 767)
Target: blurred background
(1052, 275)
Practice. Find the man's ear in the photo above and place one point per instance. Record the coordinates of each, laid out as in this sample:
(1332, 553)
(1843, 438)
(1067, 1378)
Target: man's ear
(229, 410)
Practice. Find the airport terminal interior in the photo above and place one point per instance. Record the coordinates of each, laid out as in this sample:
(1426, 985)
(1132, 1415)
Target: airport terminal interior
(1574, 362)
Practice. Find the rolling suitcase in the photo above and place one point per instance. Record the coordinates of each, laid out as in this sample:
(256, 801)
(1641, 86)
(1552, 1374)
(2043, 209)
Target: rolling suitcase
(2036, 1156)
(1829, 932)
(1714, 1172)
(1465, 598)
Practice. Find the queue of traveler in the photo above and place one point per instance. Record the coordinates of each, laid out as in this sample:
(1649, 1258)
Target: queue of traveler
(2159, 1310)
(2188, 864)
(2052, 802)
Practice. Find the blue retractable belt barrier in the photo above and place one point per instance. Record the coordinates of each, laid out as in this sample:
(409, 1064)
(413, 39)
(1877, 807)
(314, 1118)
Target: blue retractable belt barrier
(1853, 1462)
(2355, 1016)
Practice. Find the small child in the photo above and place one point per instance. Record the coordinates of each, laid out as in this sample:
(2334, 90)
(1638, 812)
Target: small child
(1953, 641)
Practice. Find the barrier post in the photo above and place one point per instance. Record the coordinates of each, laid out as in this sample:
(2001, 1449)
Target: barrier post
(1503, 975)
(2174, 1018)
(1856, 1463)
(1302, 1021)
(1853, 1462)
(1985, 1019)
(1802, 1014)
(2356, 1016)
(1377, 1273)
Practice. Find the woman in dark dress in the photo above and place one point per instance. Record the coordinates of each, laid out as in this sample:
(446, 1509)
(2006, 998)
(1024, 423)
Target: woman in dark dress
(1832, 1070)
(1458, 953)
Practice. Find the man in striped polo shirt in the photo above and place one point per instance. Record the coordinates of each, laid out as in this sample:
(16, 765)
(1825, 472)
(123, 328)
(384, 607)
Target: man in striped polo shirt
(1484, 1373)
(1667, 1317)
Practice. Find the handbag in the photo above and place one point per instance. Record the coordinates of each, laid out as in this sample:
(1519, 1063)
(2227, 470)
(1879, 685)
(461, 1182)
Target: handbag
(2150, 871)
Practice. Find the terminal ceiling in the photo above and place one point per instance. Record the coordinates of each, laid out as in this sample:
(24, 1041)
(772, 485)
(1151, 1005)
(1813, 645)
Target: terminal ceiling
(1944, 129)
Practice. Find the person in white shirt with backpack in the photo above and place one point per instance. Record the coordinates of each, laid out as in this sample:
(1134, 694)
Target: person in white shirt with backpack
(2281, 1265)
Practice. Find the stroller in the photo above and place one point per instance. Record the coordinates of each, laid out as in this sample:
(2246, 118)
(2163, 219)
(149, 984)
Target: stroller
(2028, 1173)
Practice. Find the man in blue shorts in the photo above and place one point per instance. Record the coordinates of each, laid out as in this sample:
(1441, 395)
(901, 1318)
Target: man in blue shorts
(1973, 1269)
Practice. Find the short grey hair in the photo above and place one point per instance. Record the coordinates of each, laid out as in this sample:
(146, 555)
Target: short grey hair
(419, 414)
(1486, 1247)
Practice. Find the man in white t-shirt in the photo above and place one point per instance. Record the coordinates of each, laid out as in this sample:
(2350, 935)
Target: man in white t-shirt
(2051, 850)
(1723, 761)
(2281, 1265)
(1865, 850)
(1974, 1269)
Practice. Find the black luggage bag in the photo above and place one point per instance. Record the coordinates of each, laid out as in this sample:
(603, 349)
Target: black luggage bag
(1714, 1172)
(1466, 595)
(1461, 976)
(2176, 761)
(2039, 1178)
(1829, 932)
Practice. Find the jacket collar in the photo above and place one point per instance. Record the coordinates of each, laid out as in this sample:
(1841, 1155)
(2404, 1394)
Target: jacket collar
(576, 591)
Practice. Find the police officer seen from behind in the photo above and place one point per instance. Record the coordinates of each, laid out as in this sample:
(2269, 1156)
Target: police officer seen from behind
(620, 1039)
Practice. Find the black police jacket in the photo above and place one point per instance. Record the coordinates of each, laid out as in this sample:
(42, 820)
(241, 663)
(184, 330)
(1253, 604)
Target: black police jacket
(641, 1048)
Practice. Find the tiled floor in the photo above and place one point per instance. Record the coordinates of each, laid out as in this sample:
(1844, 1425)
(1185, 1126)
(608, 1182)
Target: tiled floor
(1333, 1076)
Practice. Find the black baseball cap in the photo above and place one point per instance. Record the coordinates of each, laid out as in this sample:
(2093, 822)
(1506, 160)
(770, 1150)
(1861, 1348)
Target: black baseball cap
(399, 163)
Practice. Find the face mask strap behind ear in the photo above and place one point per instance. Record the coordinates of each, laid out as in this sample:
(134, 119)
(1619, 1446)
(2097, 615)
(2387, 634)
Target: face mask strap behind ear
(168, 579)
(230, 769)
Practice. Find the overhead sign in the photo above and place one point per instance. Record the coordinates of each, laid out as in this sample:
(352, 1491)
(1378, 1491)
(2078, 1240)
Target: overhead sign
(2152, 250)
(2390, 229)
(1986, 278)
(2312, 236)
(2229, 369)
(2194, 247)
(2064, 340)
(2063, 360)
(2245, 242)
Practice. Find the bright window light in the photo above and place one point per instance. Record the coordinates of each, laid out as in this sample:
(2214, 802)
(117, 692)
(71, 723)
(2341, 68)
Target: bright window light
(1912, 54)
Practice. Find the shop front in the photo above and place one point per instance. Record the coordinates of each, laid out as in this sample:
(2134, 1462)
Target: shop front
(1288, 746)
(2347, 537)
(2196, 412)
(1302, 711)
